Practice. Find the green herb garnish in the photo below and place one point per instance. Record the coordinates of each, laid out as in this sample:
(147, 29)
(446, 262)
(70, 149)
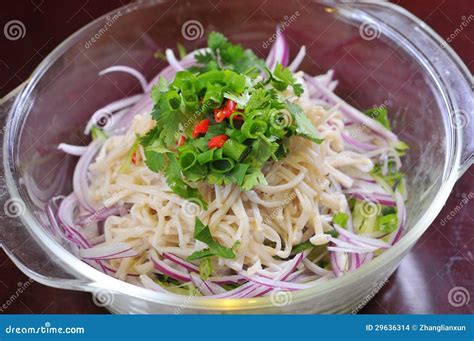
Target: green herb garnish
(203, 234)
(340, 218)
(216, 122)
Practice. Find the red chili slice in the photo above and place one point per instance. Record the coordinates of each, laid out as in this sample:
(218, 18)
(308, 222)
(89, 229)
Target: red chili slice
(217, 141)
(219, 115)
(181, 140)
(201, 128)
(230, 106)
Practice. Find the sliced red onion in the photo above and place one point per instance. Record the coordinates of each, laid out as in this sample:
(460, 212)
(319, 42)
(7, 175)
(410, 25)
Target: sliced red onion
(279, 52)
(66, 220)
(352, 112)
(167, 270)
(239, 292)
(127, 69)
(105, 252)
(358, 144)
(80, 180)
(363, 239)
(104, 116)
(362, 248)
(175, 259)
(378, 198)
(231, 279)
(71, 149)
(315, 268)
(274, 284)
(354, 249)
(368, 180)
(298, 59)
(270, 61)
(170, 57)
(206, 287)
(99, 215)
(201, 285)
(334, 265)
(283, 275)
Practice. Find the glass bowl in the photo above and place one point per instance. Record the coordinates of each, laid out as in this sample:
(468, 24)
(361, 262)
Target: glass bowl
(381, 54)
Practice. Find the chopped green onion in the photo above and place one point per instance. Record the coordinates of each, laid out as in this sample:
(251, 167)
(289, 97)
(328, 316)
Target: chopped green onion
(222, 165)
(234, 149)
(213, 98)
(238, 173)
(253, 128)
(237, 135)
(205, 157)
(180, 77)
(196, 173)
(200, 144)
(187, 158)
(172, 101)
(190, 100)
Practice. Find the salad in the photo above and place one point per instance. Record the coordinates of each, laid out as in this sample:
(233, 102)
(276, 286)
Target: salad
(231, 176)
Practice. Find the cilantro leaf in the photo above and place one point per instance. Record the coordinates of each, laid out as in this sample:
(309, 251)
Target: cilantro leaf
(225, 55)
(283, 77)
(304, 127)
(203, 234)
(253, 177)
(176, 183)
(301, 247)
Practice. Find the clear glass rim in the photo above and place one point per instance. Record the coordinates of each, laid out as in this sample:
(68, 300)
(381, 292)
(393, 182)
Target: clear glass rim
(94, 279)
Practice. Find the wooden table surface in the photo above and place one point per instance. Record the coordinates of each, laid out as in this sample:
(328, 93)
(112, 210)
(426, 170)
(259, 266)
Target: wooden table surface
(437, 276)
